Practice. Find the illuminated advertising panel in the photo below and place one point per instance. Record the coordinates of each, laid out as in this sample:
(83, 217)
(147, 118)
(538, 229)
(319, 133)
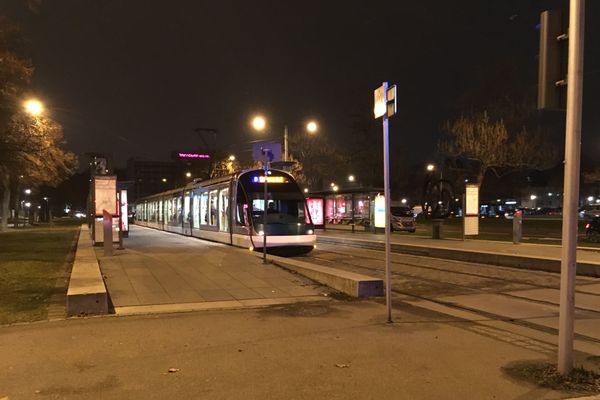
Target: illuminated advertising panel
(105, 195)
(379, 211)
(315, 208)
(124, 220)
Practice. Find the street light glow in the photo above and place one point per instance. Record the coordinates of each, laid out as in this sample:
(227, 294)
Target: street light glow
(312, 127)
(188, 174)
(27, 191)
(259, 123)
(430, 167)
(350, 178)
(335, 188)
(533, 197)
(403, 201)
(232, 158)
(33, 107)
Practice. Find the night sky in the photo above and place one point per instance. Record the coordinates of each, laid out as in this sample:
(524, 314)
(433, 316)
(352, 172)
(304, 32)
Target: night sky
(134, 78)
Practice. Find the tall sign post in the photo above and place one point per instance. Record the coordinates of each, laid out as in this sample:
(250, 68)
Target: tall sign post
(266, 152)
(571, 186)
(385, 106)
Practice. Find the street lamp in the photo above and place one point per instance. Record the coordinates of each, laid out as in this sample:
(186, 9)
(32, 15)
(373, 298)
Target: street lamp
(311, 127)
(350, 178)
(188, 174)
(430, 167)
(232, 158)
(259, 123)
(27, 191)
(33, 107)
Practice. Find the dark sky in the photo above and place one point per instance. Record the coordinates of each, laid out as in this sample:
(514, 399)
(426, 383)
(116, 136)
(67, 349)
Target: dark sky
(135, 77)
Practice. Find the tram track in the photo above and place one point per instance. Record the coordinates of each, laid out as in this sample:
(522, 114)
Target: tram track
(449, 271)
(528, 322)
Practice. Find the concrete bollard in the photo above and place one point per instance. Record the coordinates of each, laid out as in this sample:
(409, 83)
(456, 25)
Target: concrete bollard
(518, 227)
(436, 228)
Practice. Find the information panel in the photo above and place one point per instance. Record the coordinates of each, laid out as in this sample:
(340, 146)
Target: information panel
(472, 200)
(471, 218)
(471, 226)
(379, 211)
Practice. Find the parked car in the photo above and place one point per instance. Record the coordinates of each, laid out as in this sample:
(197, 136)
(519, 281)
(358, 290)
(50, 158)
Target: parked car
(590, 212)
(592, 230)
(403, 219)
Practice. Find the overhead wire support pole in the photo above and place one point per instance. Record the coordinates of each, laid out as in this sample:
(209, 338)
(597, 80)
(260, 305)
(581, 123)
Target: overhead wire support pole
(571, 186)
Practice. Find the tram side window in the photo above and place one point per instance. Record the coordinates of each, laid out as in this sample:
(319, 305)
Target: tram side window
(160, 210)
(186, 207)
(204, 209)
(213, 200)
(196, 210)
(223, 208)
(178, 211)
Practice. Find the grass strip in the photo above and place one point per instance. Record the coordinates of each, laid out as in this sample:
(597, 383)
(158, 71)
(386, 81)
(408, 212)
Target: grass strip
(31, 261)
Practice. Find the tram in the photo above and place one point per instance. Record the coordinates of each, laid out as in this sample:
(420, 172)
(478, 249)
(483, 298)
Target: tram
(231, 210)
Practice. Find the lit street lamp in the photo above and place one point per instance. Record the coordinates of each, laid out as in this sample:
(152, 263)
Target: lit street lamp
(33, 107)
(259, 123)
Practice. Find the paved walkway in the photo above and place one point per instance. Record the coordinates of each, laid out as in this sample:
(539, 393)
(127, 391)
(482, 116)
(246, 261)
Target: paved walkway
(158, 270)
(543, 251)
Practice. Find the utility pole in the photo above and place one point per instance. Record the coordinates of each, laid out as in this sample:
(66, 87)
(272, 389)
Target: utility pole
(571, 186)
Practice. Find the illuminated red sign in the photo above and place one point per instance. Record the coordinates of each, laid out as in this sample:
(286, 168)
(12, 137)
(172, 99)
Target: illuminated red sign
(192, 155)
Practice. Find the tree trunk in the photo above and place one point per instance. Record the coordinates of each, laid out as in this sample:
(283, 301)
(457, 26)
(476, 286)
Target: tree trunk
(4, 200)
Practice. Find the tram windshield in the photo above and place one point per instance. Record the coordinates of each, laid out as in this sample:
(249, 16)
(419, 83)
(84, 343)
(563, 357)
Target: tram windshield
(285, 202)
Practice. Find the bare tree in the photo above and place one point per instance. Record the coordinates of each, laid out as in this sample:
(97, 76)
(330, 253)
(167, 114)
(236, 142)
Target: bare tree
(494, 148)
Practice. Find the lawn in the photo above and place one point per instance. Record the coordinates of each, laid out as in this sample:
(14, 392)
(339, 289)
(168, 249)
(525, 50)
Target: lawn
(31, 261)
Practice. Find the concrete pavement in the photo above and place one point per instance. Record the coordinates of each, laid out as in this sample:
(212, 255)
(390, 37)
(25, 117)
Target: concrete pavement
(162, 272)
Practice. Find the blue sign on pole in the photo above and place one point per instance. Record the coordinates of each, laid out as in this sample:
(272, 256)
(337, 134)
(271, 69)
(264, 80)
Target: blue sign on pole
(273, 151)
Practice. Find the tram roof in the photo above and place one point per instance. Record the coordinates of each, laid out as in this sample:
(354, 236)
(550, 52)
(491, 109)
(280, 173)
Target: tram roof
(205, 183)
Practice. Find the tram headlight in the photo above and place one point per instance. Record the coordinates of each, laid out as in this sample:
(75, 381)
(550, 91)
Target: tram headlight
(310, 232)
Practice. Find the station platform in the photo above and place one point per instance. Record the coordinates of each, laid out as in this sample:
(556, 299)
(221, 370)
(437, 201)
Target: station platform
(544, 257)
(164, 272)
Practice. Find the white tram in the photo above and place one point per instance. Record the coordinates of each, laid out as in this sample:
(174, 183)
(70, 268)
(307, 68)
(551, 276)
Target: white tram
(231, 209)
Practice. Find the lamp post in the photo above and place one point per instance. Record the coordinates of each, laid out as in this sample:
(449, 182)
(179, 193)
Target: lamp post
(311, 127)
(259, 123)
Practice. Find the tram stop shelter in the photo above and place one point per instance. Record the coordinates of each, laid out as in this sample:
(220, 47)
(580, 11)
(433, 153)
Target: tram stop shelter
(345, 209)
